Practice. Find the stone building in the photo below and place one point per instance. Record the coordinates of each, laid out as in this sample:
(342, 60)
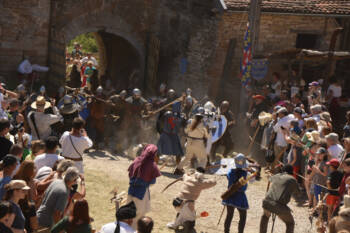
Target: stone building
(185, 43)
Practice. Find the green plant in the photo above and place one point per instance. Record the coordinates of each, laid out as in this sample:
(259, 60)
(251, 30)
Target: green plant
(87, 41)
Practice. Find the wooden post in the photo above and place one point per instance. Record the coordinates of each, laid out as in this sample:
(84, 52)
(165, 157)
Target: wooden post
(331, 50)
(301, 67)
(254, 22)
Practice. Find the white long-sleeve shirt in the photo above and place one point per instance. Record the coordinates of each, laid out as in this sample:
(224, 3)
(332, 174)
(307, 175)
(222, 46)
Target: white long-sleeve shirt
(43, 122)
(285, 123)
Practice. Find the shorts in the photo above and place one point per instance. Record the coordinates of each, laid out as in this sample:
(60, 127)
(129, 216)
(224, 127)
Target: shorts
(317, 191)
(332, 199)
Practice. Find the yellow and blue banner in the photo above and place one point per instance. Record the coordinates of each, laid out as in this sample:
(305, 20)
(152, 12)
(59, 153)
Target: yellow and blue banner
(246, 66)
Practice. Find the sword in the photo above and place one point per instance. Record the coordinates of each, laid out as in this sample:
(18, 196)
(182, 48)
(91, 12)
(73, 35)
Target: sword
(177, 180)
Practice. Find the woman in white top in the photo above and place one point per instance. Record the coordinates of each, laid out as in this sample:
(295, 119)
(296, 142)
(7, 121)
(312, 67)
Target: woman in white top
(196, 134)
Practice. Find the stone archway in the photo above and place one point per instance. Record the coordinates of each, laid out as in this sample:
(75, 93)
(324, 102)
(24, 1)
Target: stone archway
(121, 49)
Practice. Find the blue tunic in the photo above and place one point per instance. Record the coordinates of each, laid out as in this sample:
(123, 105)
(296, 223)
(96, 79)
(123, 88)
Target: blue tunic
(138, 187)
(169, 141)
(238, 199)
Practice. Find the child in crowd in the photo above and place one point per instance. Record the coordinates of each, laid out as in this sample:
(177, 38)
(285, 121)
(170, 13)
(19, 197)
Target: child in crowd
(37, 148)
(319, 174)
(295, 153)
(333, 183)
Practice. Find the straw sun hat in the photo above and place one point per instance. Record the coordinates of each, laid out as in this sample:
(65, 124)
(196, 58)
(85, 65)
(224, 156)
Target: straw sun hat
(40, 103)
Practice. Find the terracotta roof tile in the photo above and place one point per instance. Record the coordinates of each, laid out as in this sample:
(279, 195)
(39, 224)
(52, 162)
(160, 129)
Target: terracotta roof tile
(334, 7)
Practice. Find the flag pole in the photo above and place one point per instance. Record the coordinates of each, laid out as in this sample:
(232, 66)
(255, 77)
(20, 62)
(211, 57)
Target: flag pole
(254, 22)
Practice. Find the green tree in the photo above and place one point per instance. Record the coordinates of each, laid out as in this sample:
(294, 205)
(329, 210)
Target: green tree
(87, 41)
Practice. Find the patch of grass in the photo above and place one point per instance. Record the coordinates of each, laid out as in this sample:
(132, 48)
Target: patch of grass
(98, 186)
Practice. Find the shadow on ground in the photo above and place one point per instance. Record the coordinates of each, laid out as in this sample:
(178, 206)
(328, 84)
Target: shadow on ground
(102, 154)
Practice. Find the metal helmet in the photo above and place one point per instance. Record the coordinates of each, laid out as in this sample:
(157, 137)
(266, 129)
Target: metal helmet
(21, 88)
(200, 110)
(209, 107)
(67, 99)
(136, 92)
(99, 90)
(123, 94)
(188, 91)
(168, 114)
(225, 104)
(240, 161)
(42, 89)
(171, 93)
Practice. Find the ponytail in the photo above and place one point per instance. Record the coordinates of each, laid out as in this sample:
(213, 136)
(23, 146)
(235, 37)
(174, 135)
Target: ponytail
(196, 121)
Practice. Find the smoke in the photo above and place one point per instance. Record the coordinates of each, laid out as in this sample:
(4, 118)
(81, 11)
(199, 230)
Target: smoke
(131, 140)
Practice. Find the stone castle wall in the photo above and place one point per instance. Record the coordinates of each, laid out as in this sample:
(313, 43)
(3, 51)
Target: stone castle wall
(23, 32)
(194, 41)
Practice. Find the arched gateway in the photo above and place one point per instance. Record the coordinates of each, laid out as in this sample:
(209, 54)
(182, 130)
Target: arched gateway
(121, 49)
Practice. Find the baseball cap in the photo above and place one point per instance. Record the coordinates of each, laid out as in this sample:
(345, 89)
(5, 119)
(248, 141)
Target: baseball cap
(321, 150)
(333, 162)
(282, 110)
(258, 97)
(314, 84)
(298, 110)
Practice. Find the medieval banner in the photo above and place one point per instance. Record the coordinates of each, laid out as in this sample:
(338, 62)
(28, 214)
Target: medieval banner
(259, 68)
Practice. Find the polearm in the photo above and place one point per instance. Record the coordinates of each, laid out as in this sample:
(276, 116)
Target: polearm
(250, 147)
(165, 106)
(222, 213)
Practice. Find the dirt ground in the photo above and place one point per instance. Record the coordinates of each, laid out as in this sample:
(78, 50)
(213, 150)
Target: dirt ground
(105, 171)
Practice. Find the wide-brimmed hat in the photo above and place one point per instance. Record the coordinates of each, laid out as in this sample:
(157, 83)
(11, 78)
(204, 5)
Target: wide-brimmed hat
(68, 106)
(18, 184)
(326, 116)
(264, 118)
(40, 103)
(313, 136)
